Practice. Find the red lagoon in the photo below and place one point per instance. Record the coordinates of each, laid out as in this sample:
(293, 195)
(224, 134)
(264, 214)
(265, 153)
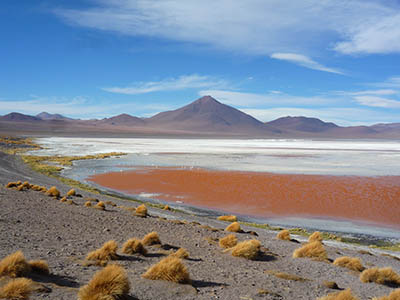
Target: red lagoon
(371, 199)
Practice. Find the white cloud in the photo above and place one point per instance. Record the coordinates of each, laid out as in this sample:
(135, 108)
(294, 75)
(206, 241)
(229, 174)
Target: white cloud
(392, 82)
(375, 101)
(256, 26)
(170, 84)
(373, 92)
(304, 61)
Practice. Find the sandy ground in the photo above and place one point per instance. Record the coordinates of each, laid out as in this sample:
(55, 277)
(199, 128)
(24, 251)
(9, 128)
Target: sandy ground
(62, 234)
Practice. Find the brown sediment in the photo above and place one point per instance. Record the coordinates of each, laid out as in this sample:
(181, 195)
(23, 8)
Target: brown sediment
(374, 199)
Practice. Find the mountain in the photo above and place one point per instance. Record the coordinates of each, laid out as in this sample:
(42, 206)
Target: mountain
(123, 120)
(208, 115)
(46, 116)
(18, 117)
(302, 124)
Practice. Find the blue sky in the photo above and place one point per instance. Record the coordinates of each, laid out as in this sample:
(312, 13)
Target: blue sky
(334, 59)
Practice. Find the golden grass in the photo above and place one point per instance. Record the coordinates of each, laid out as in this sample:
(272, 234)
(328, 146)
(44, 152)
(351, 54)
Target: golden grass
(141, 210)
(180, 253)
(352, 263)
(26, 185)
(71, 192)
(169, 269)
(166, 207)
(230, 218)
(107, 252)
(14, 265)
(100, 205)
(285, 276)
(386, 276)
(249, 249)
(233, 227)
(151, 238)
(107, 284)
(53, 192)
(316, 236)
(71, 202)
(312, 250)
(88, 204)
(39, 266)
(330, 284)
(12, 184)
(344, 295)
(63, 199)
(283, 235)
(228, 242)
(17, 289)
(133, 246)
(395, 295)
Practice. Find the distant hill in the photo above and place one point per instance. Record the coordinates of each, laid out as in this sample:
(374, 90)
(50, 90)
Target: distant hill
(123, 120)
(17, 117)
(46, 116)
(302, 124)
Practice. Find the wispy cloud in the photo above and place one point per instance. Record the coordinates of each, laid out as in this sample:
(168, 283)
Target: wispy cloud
(392, 82)
(257, 27)
(375, 101)
(304, 61)
(170, 84)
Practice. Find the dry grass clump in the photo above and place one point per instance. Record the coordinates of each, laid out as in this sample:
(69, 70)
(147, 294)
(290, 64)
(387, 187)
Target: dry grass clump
(91, 199)
(36, 188)
(228, 242)
(386, 276)
(53, 192)
(71, 192)
(249, 249)
(313, 250)
(88, 204)
(284, 275)
(180, 253)
(100, 205)
(233, 227)
(141, 210)
(316, 236)
(330, 285)
(352, 263)
(63, 199)
(166, 207)
(107, 252)
(345, 295)
(169, 269)
(14, 265)
(17, 289)
(151, 238)
(71, 202)
(283, 235)
(111, 203)
(12, 184)
(39, 266)
(230, 218)
(107, 284)
(133, 246)
(395, 295)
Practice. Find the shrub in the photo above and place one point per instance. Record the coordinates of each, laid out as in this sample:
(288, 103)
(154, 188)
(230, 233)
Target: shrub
(71, 192)
(100, 205)
(11, 184)
(14, 265)
(39, 266)
(88, 204)
(228, 242)
(53, 192)
(26, 185)
(249, 249)
(180, 253)
(17, 289)
(141, 210)
(227, 218)
(385, 276)
(107, 252)
(283, 235)
(352, 263)
(169, 269)
(316, 236)
(151, 238)
(133, 246)
(395, 295)
(313, 250)
(344, 295)
(107, 284)
(233, 227)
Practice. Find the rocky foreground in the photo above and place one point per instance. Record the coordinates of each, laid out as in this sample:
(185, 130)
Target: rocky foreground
(63, 234)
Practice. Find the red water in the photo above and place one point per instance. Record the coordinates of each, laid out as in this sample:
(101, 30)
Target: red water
(371, 199)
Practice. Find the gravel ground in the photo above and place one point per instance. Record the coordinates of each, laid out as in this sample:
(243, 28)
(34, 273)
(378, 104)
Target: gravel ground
(62, 234)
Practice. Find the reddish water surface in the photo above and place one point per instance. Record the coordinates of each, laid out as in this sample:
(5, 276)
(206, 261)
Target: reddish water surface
(374, 199)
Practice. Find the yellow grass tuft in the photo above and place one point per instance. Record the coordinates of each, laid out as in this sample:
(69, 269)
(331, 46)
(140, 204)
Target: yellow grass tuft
(36, 187)
(14, 265)
(228, 242)
(344, 295)
(17, 289)
(100, 205)
(53, 192)
(107, 252)
(141, 210)
(20, 188)
(71, 192)
(71, 202)
(88, 204)
(284, 275)
(385, 276)
(12, 184)
(63, 199)
(166, 207)
(352, 263)
(233, 227)
(180, 253)
(151, 238)
(107, 284)
(26, 185)
(313, 250)
(169, 269)
(39, 266)
(133, 246)
(283, 235)
(395, 295)
(316, 236)
(228, 218)
(249, 249)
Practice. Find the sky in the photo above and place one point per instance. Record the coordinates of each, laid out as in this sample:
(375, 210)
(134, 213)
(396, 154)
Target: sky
(337, 60)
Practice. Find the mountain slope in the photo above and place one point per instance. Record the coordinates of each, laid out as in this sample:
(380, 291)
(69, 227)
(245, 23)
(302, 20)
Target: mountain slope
(303, 124)
(18, 117)
(46, 116)
(123, 120)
